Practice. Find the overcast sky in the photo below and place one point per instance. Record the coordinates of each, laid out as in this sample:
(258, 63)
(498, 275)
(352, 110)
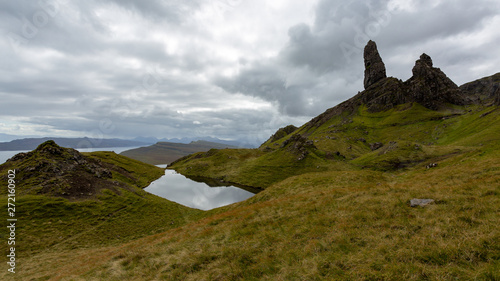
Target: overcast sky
(233, 69)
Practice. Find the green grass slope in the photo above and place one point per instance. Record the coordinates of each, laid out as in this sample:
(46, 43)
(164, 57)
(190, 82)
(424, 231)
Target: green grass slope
(110, 210)
(333, 208)
(406, 135)
(330, 225)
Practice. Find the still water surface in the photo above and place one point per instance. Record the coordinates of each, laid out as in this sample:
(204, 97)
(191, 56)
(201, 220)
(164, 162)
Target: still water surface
(197, 194)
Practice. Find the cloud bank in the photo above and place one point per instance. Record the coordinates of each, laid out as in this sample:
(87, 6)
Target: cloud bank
(231, 69)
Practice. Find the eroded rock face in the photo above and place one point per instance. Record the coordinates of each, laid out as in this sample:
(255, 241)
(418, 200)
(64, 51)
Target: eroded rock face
(430, 87)
(374, 66)
(484, 90)
(299, 145)
(282, 132)
(422, 66)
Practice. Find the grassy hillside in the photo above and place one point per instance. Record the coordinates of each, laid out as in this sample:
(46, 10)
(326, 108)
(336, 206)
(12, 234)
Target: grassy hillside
(408, 135)
(331, 225)
(167, 152)
(51, 218)
(333, 208)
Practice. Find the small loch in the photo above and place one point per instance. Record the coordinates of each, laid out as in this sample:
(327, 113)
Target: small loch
(198, 193)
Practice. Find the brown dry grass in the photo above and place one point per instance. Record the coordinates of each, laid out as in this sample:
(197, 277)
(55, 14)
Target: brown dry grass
(344, 225)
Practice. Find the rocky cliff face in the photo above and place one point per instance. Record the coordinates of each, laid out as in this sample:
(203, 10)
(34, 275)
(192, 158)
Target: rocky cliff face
(374, 66)
(430, 87)
(483, 91)
(282, 132)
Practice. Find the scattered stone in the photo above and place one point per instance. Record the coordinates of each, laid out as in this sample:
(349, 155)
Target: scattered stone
(431, 165)
(420, 202)
(375, 146)
(266, 149)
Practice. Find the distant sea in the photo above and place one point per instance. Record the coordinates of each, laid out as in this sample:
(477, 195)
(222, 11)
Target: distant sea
(5, 155)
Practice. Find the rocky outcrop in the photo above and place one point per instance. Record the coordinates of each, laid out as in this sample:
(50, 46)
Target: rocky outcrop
(374, 66)
(299, 145)
(375, 146)
(61, 172)
(49, 157)
(430, 87)
(483, 91)
(282, 132)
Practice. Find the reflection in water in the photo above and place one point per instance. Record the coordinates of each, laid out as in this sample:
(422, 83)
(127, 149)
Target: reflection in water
(196, 193)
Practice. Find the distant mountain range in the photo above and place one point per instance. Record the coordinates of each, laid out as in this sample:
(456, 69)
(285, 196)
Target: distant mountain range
(32, 143)
(186, 140)
(7, 137)
(167, 152)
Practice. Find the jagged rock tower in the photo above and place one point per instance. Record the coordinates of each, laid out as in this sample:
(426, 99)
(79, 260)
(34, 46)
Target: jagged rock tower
(431, 87)
(374, 66)
(428, 86)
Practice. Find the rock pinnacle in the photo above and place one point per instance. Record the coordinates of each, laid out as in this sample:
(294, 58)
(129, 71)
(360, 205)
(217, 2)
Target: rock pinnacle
(374, 66)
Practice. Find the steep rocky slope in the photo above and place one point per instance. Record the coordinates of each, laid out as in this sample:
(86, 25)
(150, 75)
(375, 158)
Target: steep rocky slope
(484, 91)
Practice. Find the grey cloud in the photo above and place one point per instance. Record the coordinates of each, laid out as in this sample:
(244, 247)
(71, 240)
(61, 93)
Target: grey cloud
(265, 82)
(333, 46)
(252, 126)
(174, 11)
(274, 84)
(342, 28)
(75, 72)
(447, 19)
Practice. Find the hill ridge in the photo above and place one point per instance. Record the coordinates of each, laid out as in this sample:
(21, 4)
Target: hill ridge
(167, 152)
(64, 172)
